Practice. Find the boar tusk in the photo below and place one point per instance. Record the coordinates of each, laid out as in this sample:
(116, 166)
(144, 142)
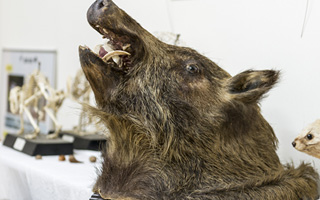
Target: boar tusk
(105, 31)
(126, 46)
(114, 53)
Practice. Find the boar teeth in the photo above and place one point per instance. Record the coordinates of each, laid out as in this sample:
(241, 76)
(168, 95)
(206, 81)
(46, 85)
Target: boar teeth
(110, 53)
(115, 55)
(126, 46)
(105, 31)
(106, 47)
(116, 59)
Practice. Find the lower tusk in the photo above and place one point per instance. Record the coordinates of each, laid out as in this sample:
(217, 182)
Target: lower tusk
(115, 53)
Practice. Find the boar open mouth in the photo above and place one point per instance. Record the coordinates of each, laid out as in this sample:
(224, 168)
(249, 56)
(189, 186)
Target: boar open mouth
(112, 63)
(116, 50)
(125, 45)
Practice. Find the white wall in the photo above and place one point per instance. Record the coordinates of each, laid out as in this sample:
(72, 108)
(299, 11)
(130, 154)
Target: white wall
(1, 68)
(238, 35)
(1, 24)
(48, 25)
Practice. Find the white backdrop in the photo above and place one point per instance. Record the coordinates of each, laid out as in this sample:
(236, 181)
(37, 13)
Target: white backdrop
(238, 35)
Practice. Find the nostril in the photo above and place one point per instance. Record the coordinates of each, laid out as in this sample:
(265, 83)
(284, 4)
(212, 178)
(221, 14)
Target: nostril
(294, 144)
(100, 4)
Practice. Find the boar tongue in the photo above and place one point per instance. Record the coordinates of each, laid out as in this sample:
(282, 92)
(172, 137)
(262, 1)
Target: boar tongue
(102, 52)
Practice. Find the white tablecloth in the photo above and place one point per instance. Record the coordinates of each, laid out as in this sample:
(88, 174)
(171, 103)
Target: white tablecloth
(22, 177)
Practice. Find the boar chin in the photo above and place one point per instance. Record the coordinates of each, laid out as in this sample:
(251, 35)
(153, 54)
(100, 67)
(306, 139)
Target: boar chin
(103, 76)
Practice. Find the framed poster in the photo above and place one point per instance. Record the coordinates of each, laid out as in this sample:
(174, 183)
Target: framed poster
(16, 66)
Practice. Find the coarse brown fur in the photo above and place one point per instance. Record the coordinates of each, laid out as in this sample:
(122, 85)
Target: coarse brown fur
(181, 127)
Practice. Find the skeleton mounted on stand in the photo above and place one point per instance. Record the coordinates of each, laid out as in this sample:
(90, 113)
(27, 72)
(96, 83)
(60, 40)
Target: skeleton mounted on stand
(22, 99)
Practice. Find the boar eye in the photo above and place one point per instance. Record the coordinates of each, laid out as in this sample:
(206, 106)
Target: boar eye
(309, 136)
(192, 68)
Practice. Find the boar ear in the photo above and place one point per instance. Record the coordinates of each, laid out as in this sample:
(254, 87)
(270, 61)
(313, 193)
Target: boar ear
(249, 86)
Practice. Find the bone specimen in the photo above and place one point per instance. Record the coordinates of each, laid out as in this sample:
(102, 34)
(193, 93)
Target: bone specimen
(22, 99)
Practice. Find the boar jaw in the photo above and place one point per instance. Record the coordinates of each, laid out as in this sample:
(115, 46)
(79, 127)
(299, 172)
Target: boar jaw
(126, 38)
(124, 35)
(117, 48)
(103, 76)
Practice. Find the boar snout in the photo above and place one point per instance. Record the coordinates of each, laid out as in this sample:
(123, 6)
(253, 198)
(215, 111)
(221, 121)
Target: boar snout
(102, 14)
(96, 10)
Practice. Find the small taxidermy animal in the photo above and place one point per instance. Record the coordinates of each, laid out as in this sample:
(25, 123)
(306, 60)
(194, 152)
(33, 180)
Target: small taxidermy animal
(309, 140)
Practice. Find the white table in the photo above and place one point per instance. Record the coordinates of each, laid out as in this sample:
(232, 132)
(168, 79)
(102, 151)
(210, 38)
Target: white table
(22, 177)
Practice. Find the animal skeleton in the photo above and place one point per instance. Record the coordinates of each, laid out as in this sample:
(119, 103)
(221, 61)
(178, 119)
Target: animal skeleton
(23, 98)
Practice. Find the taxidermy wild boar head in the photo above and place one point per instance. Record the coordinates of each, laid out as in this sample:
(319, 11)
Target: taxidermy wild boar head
(181, 127)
